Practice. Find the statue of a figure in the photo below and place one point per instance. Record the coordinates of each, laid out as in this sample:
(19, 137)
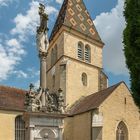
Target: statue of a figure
(42, 39)
(32, 100)
(61, 106)
(54, 102)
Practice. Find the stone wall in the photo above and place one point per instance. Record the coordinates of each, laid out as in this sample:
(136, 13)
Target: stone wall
(71, 44)
(78, 127)
(7, 125)
(69, 78)
(120, 107)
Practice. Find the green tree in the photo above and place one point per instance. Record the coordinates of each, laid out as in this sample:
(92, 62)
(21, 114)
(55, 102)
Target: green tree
(131, 41)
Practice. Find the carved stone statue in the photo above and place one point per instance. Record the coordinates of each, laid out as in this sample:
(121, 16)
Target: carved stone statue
(32, 99)
(42, 100)
(41, 37)
(61, 106)
(54, 102)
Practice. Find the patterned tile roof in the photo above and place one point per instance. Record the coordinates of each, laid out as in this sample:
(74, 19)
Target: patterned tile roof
(74, 14)
(12, 98)
(92, 101)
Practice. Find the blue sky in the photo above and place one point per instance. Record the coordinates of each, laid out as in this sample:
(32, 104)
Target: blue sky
(19, 63)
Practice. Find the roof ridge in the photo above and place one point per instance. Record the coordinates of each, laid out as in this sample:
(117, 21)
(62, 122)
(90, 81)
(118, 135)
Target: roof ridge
(115, 85)
(57, 20)
(10, 87)
(92, 101)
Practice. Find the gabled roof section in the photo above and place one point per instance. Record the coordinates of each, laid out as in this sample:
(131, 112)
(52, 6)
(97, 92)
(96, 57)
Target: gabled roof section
(92, 101)
(73, 14)
(12, 98)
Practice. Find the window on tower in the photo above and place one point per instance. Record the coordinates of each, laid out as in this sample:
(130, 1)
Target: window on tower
(55, 53)
(80, 50)
(52, 57)
(87, 53)
(84, 79)
(53, 81)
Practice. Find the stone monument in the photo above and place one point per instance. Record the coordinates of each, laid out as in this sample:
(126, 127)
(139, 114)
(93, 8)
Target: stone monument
(45, 111)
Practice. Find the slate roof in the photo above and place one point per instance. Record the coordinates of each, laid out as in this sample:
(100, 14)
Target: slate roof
(92, 101)
(12, 98)
(74, 14)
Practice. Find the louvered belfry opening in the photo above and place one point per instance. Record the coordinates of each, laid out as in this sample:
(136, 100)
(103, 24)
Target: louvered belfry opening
(87, 53)
(19, 128)
(80, 50)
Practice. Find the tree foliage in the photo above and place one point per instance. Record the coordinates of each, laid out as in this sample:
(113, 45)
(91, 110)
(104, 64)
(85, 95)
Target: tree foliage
(131, 39)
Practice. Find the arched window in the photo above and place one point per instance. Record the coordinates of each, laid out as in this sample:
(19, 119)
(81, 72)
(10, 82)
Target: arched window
(19, 128)
(55, 53)
(84, 79)
(80, 50)
(53, 81)
(87, 53)
(122, 132)
(52, 57)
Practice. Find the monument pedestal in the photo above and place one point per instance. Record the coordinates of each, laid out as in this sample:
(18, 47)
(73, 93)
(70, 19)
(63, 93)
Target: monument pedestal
(43, 126)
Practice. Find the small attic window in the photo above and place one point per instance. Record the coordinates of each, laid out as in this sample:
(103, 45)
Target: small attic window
(84, 79)
(78, 7)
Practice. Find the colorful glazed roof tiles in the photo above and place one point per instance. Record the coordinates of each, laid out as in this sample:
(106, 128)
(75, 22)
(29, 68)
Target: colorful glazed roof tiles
(73, 14)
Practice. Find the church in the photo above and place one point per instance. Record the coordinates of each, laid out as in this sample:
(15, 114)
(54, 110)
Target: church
(71, 65)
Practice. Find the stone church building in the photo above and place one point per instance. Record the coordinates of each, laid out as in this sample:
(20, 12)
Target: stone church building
(94, 111)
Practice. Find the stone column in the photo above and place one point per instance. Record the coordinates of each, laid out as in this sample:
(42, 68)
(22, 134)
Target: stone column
(42, 45)
(31, 135)
(43, 57)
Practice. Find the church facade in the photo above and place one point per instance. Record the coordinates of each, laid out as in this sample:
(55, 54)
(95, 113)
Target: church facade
(94, 111)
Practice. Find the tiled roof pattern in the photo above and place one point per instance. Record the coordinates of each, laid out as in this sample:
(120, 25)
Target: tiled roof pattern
(92, 101)
(12, 98)
(74, 14)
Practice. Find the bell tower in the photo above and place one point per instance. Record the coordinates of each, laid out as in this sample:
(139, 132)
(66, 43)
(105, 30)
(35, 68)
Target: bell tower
(74, 61)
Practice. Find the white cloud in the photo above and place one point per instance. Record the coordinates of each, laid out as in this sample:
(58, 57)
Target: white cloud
(20, 74)
(10, 55)
(14, 46)
(26, 24)
(110, 26)
(11, 50)
(59, 1)
(5, 2)
(37, 84)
